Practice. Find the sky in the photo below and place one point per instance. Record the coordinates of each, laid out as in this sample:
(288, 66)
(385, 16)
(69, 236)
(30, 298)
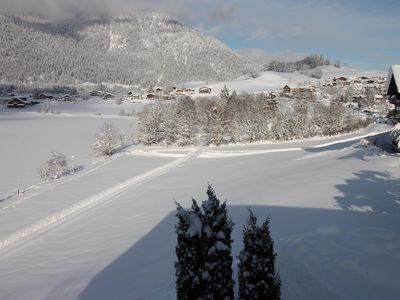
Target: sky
(363, 34)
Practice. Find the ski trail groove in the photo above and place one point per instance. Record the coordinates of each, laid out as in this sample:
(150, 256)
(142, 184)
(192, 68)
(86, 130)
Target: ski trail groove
(95, 200)
(62, 181)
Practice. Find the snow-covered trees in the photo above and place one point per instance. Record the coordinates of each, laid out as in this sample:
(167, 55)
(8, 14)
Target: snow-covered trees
(190, 253)
(258, 278)
(55, 167)
(224, 94)
(216, 126)
(217, 244)
(186, 120)
(158, 124)
(242, 118)
(204, 266)
(305, 64)
(106, 140)
(168, 123)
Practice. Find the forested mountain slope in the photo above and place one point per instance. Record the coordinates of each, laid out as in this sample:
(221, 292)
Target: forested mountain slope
(147, 48)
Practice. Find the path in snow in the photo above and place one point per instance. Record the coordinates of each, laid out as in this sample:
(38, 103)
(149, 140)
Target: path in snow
(32, 220)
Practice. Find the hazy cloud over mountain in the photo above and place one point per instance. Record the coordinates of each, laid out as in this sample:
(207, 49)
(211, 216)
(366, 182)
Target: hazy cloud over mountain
(60, 8)
(262, 56)
(360, 32)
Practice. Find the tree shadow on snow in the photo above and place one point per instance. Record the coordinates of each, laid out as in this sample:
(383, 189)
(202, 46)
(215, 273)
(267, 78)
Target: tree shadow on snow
(322, 254)
(380, 144)
(370, 191)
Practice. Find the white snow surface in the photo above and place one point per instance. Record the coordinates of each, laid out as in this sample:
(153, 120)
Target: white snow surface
(107, 232)
(270, 81)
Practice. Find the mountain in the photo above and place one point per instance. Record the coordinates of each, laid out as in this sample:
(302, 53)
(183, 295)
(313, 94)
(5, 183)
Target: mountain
(146, 48)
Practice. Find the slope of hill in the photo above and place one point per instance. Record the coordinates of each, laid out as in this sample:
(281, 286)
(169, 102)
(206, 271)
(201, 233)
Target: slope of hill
(270, 81)
(147, 48)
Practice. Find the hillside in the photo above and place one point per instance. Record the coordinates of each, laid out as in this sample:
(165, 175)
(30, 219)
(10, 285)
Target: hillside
(270, 81)
(146, 48)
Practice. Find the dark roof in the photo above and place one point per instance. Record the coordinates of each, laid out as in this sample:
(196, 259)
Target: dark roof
(393, 82)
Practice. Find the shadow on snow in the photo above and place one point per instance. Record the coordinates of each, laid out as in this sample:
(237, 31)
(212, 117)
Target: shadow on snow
(322, 253)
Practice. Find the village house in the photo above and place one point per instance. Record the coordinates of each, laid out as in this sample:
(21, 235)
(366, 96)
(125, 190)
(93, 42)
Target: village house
(108, 96)
(179, 91)
(95, 93)
(151, 96)
(132, 96)
(45, 97)
(168, 97)
(18, 102)
(287, 89)
(204, 90)
(340, 79)
(271, 95)
(306, 93)
(67, 98)
(189, 91)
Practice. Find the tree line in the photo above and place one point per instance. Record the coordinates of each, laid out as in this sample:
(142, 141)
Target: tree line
(242, 118)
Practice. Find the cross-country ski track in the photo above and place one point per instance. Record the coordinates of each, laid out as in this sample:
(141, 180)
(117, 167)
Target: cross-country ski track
(94, 200)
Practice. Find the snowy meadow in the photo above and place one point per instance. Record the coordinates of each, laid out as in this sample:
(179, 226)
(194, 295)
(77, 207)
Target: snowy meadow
(107, 231)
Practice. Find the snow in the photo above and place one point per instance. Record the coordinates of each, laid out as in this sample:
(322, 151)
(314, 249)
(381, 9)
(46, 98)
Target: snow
(329, 72)
(107, 232)
(270, 81)
(196, 225)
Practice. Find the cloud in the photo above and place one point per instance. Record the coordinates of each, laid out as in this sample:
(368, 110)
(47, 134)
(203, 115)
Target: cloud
(347, 29)
(221, 12)
(262, 56)
(57, 8)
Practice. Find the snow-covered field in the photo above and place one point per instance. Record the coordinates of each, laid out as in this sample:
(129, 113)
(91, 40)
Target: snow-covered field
(28, 138)
(107, 232)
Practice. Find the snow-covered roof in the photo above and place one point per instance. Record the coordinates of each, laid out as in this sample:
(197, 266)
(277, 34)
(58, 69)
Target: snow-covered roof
(393, 81)
(20, 99)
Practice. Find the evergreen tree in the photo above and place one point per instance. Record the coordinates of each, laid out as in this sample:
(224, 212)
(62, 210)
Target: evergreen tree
(189, 251)
(204, 265)
(258, 278)
(217, 243)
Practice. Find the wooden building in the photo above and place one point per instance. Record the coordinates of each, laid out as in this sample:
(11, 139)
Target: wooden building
(393, 88)
(287, 89)
(189, 91)
(151, 96)
(204, 90)
(18, 102)
(95, 93)
(108, 96)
